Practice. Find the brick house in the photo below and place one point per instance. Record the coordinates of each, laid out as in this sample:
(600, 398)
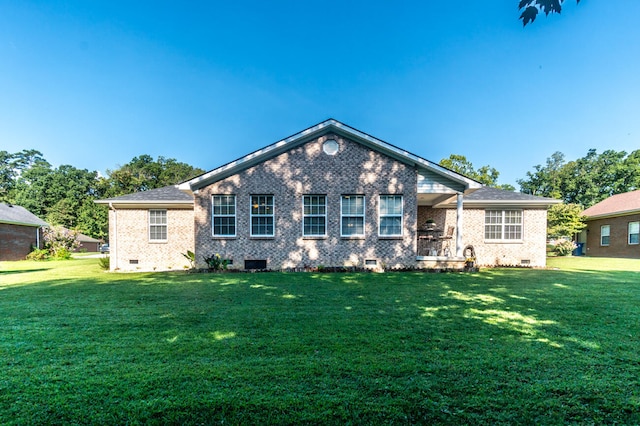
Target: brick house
(20, 232)
(613, 226)
(330, 195)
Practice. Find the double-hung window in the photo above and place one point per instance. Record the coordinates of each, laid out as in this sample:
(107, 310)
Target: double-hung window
(352, 216)
(314, 215)
(634, 233)
(605, 235)
(390, 216)
(262, 216)
(224, 215)
(157, 225)
(503, 225)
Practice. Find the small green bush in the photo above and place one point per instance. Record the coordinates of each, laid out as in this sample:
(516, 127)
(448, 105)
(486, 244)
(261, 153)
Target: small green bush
(216, 262)
(38, 254)
(104, 263)
(61, 254)
(564, 247)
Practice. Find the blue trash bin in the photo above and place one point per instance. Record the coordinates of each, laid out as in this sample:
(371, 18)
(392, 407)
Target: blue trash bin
(578, 250)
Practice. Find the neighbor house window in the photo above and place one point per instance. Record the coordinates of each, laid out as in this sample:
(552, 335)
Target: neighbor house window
(605, 233)
(503, 225)
(634, 232)
(352, 215)
(390, 215)
(157, 225)
(314, 215)
(224, 215)
(262, 216)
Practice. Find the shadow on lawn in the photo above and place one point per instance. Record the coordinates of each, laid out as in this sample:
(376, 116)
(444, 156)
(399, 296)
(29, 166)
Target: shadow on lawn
(19, 271)
(526, 305)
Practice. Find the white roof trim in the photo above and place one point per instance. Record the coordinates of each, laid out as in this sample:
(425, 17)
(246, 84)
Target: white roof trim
(308, 134)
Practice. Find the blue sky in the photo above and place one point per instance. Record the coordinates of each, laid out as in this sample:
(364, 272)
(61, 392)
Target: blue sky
(93, 84)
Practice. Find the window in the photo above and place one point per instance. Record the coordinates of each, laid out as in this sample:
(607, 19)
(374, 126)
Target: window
(262, 216)
(157, 225)
(314, 215)
(503, 225)
(224, 215)
(352, 216)
(634, 232)
(390, 215)
(605, 232)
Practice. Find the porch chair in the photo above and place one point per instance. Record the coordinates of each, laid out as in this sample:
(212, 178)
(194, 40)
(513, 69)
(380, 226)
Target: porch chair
(445, 241)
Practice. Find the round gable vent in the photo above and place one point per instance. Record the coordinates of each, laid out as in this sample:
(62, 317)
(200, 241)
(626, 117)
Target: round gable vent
(330, 147)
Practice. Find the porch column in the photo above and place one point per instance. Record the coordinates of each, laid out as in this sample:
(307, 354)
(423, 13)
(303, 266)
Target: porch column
(459, 210)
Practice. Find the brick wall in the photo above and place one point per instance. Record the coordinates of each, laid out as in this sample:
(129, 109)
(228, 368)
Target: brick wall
(618, 239)
(307, 170)
(532, 248)
(129, 240)
(16, 241)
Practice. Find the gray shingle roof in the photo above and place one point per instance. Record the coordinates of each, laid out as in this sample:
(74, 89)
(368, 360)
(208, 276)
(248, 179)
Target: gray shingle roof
(19, 215)
(167, 193)
(494, 194)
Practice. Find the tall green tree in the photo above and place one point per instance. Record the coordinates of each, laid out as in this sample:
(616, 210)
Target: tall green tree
(143, 173)
(12, 166)
(546, 180)
(586, 180)
(486, 175)
(564, 220)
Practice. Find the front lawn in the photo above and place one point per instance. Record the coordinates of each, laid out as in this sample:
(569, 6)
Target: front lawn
(503, 346)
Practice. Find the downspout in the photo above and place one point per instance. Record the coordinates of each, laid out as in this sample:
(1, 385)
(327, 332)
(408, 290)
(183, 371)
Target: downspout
(38, 237)
(459, 230)
(113, 239)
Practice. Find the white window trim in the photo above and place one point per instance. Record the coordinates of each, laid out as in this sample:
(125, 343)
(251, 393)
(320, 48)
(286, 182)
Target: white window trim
(213, 216)
(380, 216)
(629, 233)
(315, 215)
(502, 239)
(608, 227)
(363, 215)
(272, 216)
(166, 226)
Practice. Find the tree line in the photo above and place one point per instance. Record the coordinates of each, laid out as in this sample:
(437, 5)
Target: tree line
(65, 195)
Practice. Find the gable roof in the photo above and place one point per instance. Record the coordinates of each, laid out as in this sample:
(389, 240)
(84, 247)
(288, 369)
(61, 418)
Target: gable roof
(328, 126)
(166, 196)
(17, 215)
(487, 197)
(619, 204)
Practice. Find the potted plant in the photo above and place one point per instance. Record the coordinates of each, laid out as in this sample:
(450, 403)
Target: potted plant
(430, 224)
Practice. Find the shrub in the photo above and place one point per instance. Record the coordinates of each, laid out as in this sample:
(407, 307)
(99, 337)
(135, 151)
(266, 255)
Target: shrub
(38, 254)
(216, 262)
(60, 241)
(564, 247)
(104, 263)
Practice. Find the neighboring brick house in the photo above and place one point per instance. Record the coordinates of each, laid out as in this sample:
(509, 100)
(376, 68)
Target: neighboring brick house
(20, 232)
(334, 196)
(613, 226)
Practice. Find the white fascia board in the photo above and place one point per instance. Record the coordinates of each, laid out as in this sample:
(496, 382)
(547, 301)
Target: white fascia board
(252, 159)
(308, 134)
(406, 156)
(132, 204)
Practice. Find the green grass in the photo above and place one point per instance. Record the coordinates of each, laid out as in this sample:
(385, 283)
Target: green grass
(503, 346)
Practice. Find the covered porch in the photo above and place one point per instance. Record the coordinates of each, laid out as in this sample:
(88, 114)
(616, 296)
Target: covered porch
(440, 226)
